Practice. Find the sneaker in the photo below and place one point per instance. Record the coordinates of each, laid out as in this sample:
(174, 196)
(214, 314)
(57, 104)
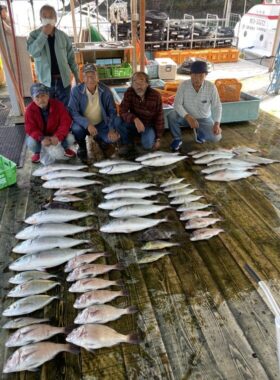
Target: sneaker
(69, 153)
(35, 158)
(176, 144)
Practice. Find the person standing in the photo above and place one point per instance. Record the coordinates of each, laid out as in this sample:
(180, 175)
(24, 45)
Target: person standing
(53, 55)
(197, 105)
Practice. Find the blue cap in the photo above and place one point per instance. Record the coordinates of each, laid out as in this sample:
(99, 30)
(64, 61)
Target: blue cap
(38, 89)
(199, 67)
(89, 67)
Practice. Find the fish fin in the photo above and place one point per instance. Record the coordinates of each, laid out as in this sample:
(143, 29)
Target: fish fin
(132, 309)
(121, 265)
(119, 283)
(73, 349)
(133, 338)
(69, 329)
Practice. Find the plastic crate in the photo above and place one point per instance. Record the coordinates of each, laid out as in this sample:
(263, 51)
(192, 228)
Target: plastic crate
(152, 69)
(122, 71)
(104, 72)
(8, 170)
(229, 89)
(244, 110)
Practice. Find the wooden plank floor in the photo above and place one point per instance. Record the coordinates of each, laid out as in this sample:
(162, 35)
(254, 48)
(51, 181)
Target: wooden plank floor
(200, 315)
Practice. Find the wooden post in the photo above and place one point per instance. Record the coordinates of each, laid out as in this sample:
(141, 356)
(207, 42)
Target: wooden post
(134, 20)
(73, 20)
(142, 34)
(275, 45)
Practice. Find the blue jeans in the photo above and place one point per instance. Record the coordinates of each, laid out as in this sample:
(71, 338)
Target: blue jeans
(59, 92)
(148, 137)
(204, 131)
(35, 146)
(80, 132)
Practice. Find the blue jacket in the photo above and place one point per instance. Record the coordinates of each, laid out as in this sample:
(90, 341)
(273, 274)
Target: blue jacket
(79, 100)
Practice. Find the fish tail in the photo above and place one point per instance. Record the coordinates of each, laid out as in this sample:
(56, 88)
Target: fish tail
(120, 266)
(69, 329)
(72, 349)
(133, 338)
(132, 309)
(124, 293)
(106, 254)
(119, 283)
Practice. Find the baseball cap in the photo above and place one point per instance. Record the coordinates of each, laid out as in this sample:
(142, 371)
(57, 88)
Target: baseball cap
(199, 67)
(37, 89)
(88, 67)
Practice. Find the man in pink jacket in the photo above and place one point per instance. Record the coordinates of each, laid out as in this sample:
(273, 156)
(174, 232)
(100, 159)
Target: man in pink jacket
(47, 122)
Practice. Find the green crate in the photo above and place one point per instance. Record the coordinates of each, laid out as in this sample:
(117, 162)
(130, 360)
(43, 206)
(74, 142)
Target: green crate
(8, 172)
(104, 72)
(122, 71)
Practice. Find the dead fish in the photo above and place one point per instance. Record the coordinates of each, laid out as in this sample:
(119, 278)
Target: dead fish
(66, 173)
(156, 234)
(137, 210)
(62, 183)
(120, 168)
(229, 175)
(32, 356)
(94, 336)
(258, 160)
(102, 314)
(222, 167)
(56, 216)
(51, 168)
(158, 244)
(50, 229)
(243, 149)
(104, 163)
(67, 198)
(95, 283)
(132, 193)
(234, 161)
(83, 259)
(130, 225)
(22, 277)
(193, 206)
(151, 257)
(28, 305)
(33, 334)
(163, 160)
(126, 185)
(171, 181)
(212, 152)
(92, 270)
(17, 323)
(181, 193)
(200, 223)
(187, 215)
(98, 297)
(112, 204)
(31, 288)
(46, 259)
(155, 154)
(212, 158)
(193, 152)
(186, 199)
(179, 186)
(69, 191)
(205, 233)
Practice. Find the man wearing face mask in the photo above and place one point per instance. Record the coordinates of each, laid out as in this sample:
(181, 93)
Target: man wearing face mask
(53, 55)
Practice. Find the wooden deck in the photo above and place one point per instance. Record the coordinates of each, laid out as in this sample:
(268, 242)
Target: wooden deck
(200, 315)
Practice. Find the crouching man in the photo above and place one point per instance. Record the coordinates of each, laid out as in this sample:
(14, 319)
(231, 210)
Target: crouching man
(47, 122)
(94, 113)
(197, 105)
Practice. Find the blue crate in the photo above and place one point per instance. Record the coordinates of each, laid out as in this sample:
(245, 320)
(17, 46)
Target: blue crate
(246, 109)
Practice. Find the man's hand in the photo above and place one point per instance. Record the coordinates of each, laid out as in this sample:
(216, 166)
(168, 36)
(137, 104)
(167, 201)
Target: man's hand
(192, 121)
(139, 125)
(156, 145)
(92, 130)
(217, 129)
(113, 136)
(48, 29)
(46, 141)
(54, 140)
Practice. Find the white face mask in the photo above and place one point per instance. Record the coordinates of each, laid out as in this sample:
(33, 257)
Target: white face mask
(48, 21)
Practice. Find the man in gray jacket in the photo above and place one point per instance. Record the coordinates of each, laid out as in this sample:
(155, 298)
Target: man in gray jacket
(53, 55)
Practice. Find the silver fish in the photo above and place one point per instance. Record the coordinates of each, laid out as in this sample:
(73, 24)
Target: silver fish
(229, 175)
(171, 181)
(51, 168)
(56, 216)
(62, 183)
(200, 223)
(119, 202)
(155, 154)
(33, 334)
(132, 193)
(46, 259)
(91, 270)
(212, 152)
(32, 356)
(102, 314)
(17, 323)
(177, 187)
(258, 160)
(83, 259)
(94, 336)
(120, 168)
(193, 206)
(243, 149)
(193, 152)
(213, 158)
(163, 160)
(126, 185)
(22, 277)
(28, 305)
(50, 229)
(69, 191)
(205, 233)
(43, 243)
(221, 167)
(95, 283)
(158, 244)
(181, 193)
(186, 199)
(66, 173)
(130, 225)
(98, 297)
(31, 288)
(234, 161)
(137, 210)
(104, 163)
(187, 215)
(67, 198)
(151, 257)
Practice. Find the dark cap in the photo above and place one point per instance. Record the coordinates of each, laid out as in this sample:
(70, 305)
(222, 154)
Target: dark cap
(89, 67)
(38, 89)
(199, 67)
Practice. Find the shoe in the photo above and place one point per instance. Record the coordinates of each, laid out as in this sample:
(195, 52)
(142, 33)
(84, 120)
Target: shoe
(35, 158)
(82, 150)
(176, 144)
(109, 150)
(69, 153)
